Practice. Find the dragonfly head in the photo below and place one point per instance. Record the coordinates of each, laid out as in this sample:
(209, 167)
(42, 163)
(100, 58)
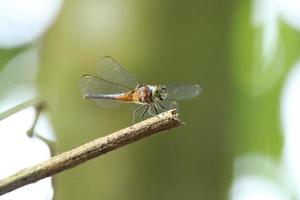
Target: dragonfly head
(159, 92)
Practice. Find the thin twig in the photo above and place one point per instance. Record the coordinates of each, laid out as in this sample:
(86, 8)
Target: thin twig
(38, 109)
(38, 103)
(97, 147)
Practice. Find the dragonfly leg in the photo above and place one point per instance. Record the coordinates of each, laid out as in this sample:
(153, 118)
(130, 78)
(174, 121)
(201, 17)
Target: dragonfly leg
(149, 110)
(155, 108)
(161, 106)
(147, 107)
(137, 110)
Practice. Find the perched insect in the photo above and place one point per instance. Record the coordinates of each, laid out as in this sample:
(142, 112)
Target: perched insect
(115, 85)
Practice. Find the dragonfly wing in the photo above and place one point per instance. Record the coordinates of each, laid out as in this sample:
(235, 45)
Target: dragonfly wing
(180, 92)
(110, 70)
(92, 86)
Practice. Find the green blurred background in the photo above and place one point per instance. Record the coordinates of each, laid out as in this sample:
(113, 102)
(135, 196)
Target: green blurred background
(212, 43)
(158, 42)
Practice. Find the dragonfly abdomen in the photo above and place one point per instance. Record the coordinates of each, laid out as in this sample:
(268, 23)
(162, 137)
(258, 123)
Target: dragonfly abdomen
(121, 97)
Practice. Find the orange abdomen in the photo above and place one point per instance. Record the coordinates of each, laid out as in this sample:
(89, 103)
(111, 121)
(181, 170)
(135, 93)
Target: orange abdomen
(129, 96)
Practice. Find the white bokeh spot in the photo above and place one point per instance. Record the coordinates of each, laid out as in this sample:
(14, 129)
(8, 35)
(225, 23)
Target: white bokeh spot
(253, 187)
(18, 151)
(290, 118)
(22, 22)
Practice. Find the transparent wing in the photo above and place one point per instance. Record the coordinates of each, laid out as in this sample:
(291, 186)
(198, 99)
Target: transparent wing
(108, 69)
(92, 85)
(180, 92)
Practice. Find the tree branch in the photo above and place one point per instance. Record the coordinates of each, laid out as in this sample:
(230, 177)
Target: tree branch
(97, 147)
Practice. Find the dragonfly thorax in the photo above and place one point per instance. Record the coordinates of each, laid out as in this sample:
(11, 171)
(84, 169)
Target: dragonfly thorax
(149, 93)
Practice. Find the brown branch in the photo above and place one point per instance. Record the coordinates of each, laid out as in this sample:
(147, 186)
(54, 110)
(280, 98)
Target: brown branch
(97, 147)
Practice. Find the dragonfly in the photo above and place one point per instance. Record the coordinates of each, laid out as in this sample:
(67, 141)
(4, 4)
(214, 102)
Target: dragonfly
(113, 85)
